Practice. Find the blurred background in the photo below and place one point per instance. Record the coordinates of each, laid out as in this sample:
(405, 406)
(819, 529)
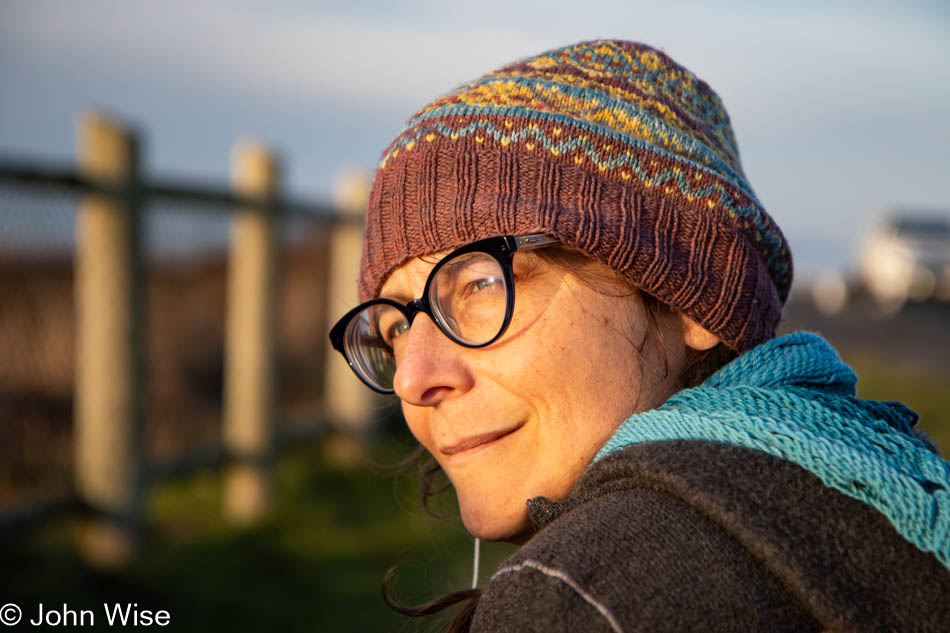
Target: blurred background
(187, 175)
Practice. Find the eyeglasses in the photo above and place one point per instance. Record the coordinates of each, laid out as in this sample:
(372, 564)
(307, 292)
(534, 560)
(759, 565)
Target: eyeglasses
(469, 295)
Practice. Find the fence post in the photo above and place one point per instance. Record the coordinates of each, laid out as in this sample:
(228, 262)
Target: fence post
(109, 384)
(348, 402)
(250, 380)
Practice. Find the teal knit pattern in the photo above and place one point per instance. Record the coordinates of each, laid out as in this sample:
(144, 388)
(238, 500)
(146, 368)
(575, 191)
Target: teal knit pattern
(794, 398)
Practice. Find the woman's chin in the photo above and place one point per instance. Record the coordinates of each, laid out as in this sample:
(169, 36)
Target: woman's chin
(495, 524)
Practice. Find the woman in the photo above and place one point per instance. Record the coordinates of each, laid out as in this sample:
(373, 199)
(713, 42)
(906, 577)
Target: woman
(556, 256)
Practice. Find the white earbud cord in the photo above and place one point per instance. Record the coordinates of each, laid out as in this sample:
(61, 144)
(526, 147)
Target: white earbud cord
(475, 565)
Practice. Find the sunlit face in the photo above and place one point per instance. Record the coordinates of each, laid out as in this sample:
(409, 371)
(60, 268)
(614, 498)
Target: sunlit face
(524, 416)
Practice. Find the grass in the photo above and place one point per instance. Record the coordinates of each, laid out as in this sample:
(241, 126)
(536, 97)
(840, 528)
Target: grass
(926, 393)
(316, 562)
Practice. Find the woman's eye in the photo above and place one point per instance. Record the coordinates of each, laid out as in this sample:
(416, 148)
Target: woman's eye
(389, 330)
(396, 329)
(480, 285)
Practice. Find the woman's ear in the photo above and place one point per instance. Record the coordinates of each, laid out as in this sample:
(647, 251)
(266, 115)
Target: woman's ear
(696, 336)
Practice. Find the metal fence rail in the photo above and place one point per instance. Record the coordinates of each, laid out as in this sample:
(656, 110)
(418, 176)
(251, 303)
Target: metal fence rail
(111, 472)
(214, 197)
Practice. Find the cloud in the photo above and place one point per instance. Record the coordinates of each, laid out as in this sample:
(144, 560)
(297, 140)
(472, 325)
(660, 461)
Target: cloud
(250, 47)
(399, 52)
(838, 108)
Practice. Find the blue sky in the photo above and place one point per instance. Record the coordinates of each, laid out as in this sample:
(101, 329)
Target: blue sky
(840, 108)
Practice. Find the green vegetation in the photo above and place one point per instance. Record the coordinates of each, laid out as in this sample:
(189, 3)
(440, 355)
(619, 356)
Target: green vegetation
(317, 561)
(926, 393)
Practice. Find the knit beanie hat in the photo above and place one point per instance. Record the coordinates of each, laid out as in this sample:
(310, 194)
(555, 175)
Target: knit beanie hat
(613, 148)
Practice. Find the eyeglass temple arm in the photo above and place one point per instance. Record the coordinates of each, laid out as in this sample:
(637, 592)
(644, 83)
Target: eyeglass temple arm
(535, 240)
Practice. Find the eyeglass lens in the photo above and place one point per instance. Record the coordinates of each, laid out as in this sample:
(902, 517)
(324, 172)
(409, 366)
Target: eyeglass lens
(468, 296)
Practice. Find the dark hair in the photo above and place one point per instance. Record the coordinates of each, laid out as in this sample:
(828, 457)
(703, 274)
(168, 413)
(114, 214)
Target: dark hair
(699, 366)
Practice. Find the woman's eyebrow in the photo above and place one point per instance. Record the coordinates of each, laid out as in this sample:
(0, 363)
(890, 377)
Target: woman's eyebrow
(405, 297)
(396, 295)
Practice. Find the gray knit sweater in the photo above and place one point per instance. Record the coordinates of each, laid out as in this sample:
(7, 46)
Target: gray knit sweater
(690, 535)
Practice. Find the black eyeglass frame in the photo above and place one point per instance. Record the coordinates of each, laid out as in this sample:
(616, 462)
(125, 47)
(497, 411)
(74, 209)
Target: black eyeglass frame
(501, 248)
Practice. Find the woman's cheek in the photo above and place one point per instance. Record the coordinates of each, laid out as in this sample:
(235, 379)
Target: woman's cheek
(416, 420)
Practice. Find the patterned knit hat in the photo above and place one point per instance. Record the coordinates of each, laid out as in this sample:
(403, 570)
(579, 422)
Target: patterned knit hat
(613, 148)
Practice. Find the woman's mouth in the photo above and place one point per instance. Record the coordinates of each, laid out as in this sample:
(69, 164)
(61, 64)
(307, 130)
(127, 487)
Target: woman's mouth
(475, 443)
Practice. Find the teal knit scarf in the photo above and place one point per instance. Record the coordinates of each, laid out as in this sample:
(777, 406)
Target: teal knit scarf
(794, 398)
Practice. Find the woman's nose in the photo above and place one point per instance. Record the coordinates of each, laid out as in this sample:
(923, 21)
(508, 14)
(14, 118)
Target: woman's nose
(431, 368)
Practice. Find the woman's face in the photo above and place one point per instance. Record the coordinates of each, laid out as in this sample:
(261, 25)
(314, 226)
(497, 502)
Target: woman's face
(524, 416)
